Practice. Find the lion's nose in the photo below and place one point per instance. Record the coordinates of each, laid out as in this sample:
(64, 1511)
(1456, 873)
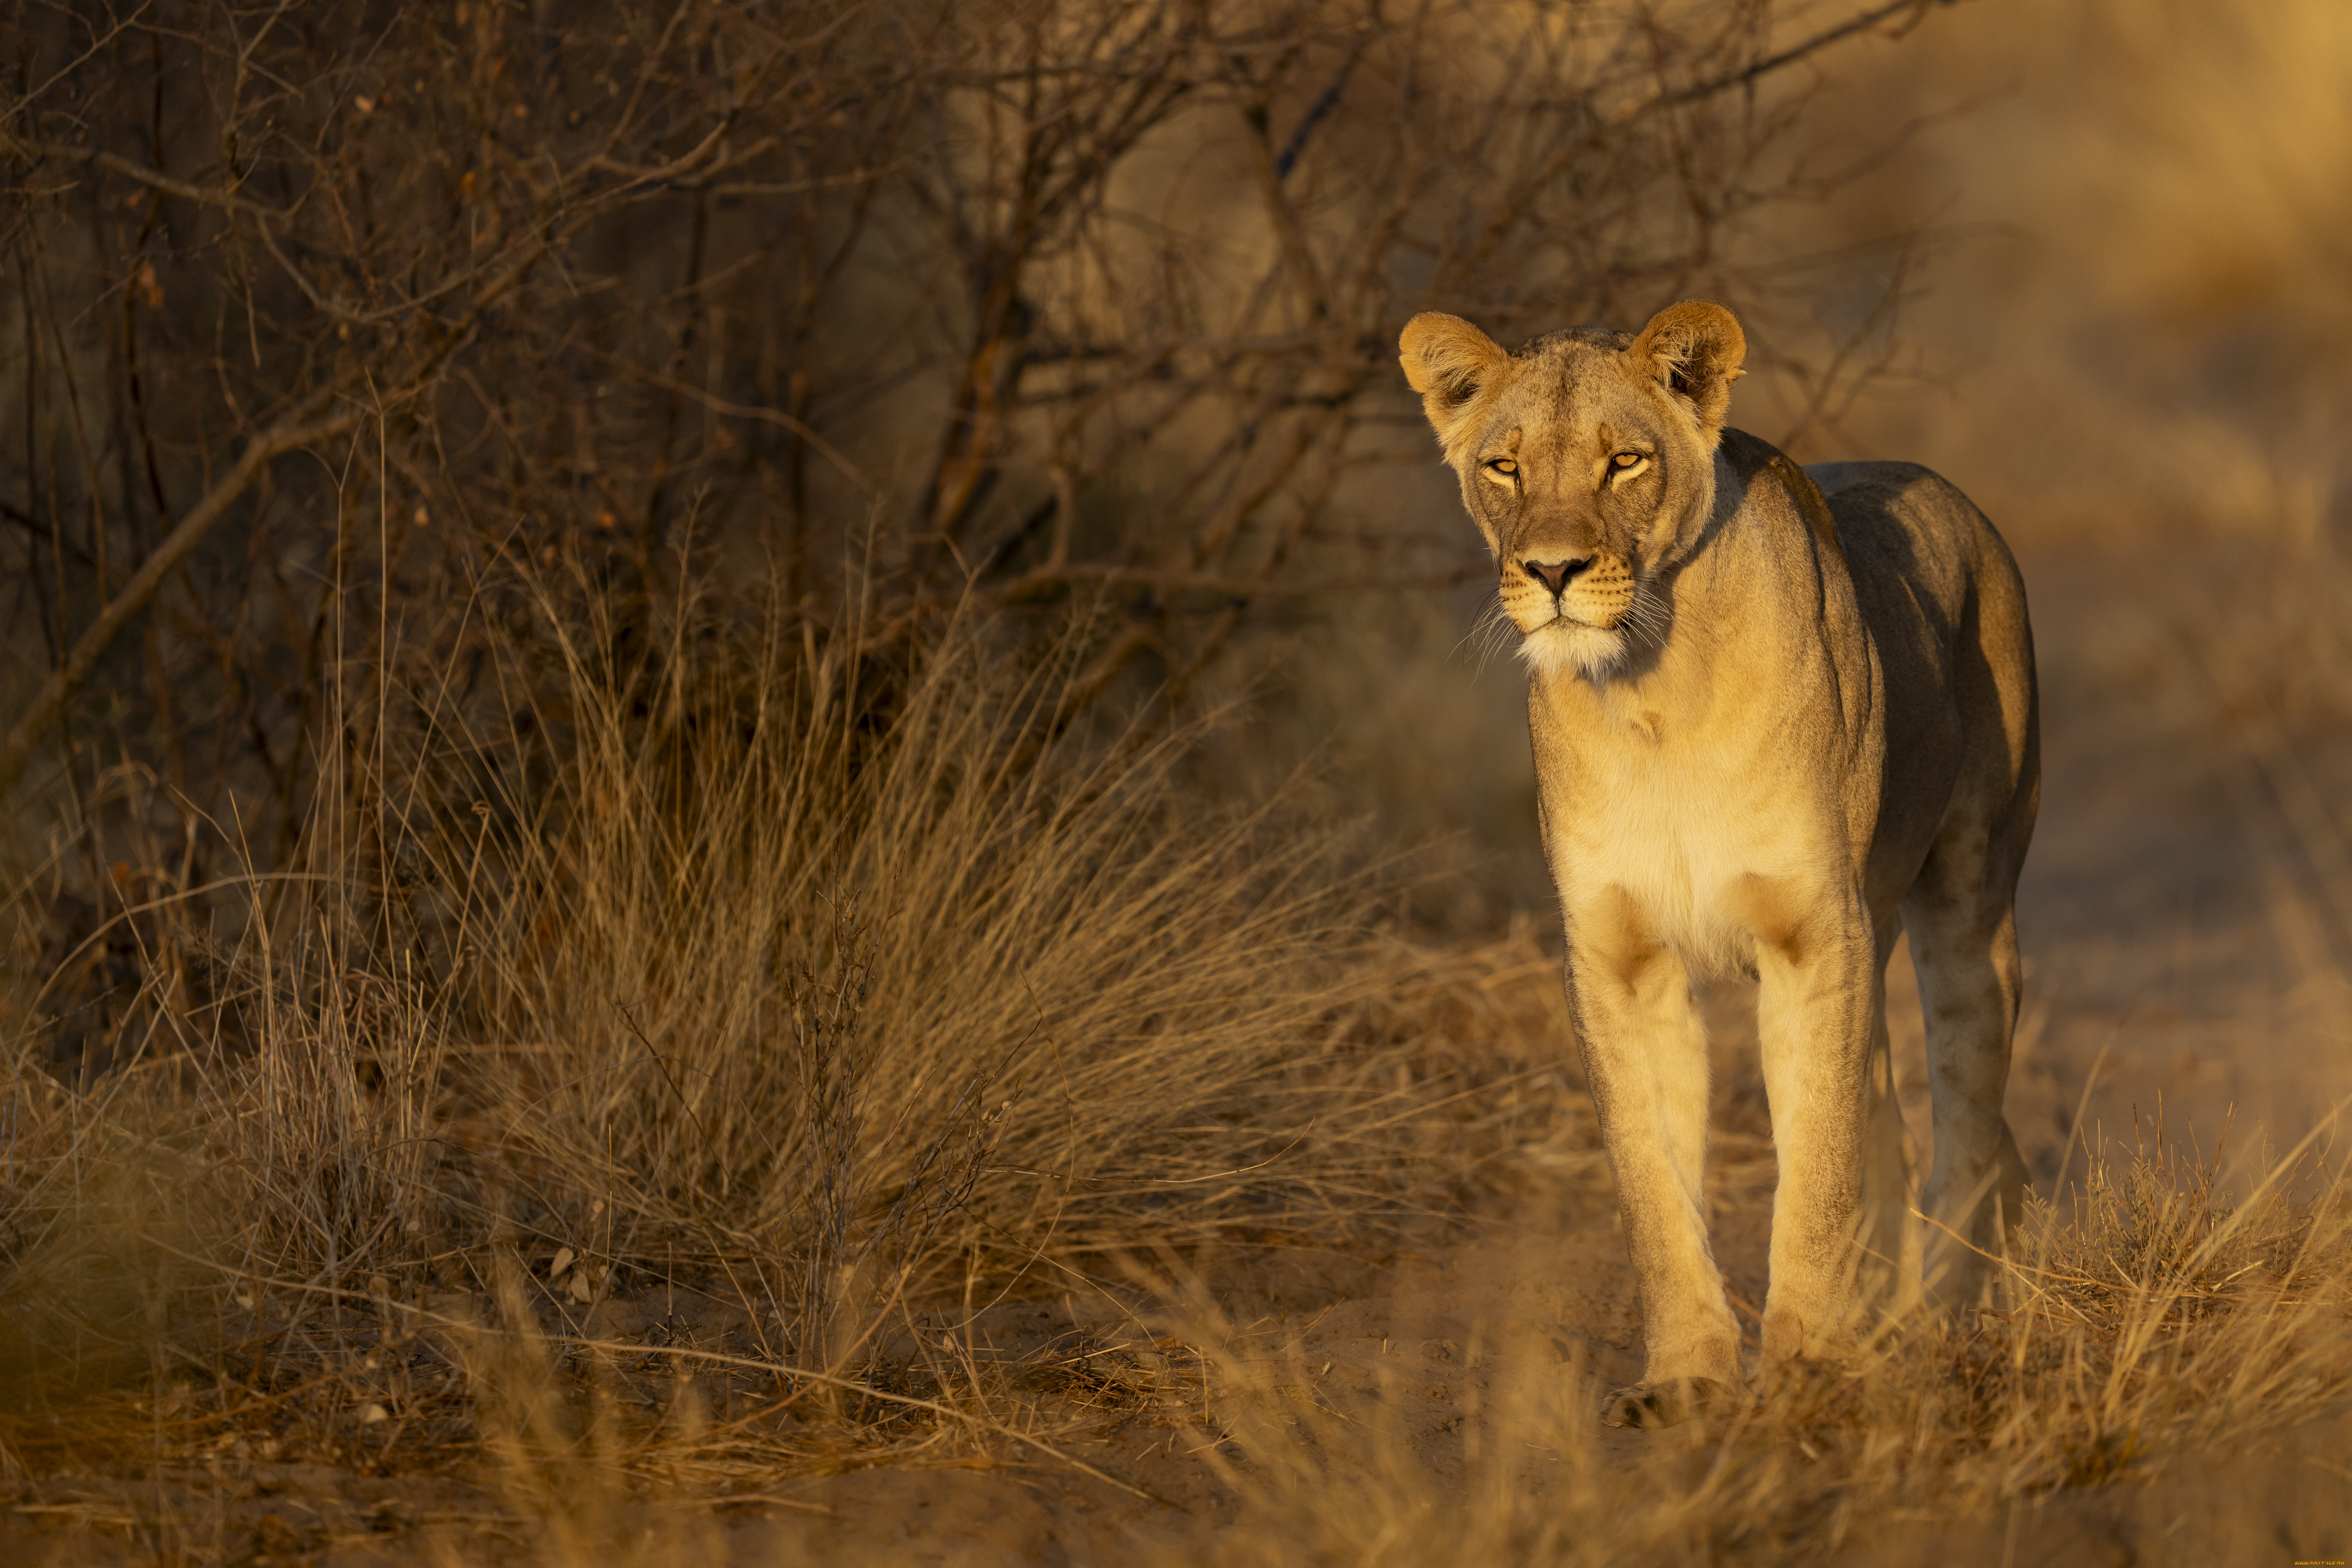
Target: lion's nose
(1554, 575)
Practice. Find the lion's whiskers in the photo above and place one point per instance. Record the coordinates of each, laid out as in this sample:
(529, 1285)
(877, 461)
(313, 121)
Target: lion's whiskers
(1489, 637)
(1645, 621)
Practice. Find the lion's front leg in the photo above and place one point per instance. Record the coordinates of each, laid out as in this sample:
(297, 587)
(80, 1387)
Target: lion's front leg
(1645, 1057)
(1815, 1013)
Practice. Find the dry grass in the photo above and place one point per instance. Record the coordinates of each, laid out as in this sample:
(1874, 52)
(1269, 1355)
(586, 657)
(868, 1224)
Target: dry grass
(2150, 1325)
(818, 995)
(756, 1066)
(752, 1037)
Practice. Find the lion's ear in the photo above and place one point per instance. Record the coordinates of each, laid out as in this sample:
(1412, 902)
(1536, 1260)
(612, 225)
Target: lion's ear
(1695, 349)
(1449, 362)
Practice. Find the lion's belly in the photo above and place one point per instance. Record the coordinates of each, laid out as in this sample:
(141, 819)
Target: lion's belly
(1707, 848)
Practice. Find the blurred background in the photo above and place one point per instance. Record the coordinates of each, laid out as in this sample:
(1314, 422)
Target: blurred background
(403, 402)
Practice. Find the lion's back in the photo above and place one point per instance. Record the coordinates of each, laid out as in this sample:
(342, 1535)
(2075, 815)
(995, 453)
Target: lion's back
(1919, 549)
(1946, 605)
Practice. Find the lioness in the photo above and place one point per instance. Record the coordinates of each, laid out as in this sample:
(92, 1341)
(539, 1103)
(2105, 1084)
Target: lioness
(1780, 715)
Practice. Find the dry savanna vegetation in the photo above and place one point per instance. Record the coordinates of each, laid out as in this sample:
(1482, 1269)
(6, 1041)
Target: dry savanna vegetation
(674, 885)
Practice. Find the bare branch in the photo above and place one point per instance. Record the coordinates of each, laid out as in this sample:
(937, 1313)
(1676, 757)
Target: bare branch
(31, 730)
(1859, 22)
(228, 201)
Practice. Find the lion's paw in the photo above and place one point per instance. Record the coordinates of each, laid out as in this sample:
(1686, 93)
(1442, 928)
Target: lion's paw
(1666, 1404)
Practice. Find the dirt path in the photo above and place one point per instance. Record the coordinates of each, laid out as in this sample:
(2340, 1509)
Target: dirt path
(2180, 910)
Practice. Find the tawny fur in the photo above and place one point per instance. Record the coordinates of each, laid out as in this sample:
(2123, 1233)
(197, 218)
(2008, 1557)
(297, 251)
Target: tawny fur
(1780, 715)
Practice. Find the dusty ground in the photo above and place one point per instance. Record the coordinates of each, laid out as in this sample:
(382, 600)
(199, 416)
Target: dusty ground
(2184, 957)
(2184, 909)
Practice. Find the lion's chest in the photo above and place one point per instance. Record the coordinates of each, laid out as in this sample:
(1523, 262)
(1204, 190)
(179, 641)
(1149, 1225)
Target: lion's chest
(1685, 830)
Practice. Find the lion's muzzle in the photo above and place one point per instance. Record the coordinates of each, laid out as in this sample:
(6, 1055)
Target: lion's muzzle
(1594, 591)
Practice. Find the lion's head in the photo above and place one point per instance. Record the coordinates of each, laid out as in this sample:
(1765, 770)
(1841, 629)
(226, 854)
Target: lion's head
(1588, 460)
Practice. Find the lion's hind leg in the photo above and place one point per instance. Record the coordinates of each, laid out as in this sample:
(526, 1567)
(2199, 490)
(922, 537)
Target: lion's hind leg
(1964, 945)
(1961, 913)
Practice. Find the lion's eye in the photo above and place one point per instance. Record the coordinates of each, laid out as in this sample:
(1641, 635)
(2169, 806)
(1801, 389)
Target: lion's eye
(1502, 465)
(1626, 460)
